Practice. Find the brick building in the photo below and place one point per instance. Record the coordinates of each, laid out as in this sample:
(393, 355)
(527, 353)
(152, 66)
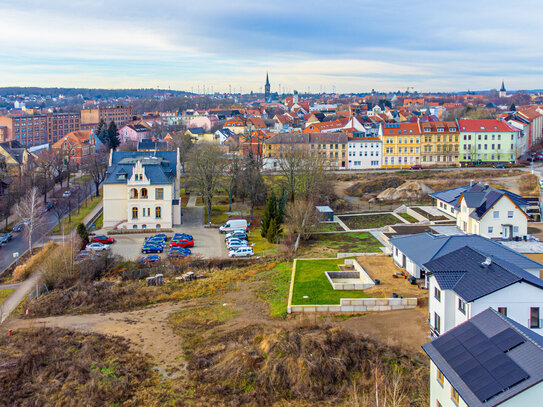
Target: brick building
(34, 129)
(121, 115)
(77, 145)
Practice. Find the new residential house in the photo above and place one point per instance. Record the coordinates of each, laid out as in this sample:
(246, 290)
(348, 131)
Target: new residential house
(34, 129)
(489, 141)
(141, 190)
(407, 253)
(482, 210)
(330, 147)
(465, 282)
(487, 361)
(121, 115)
(439, 143)
(401, 144)
(77, 145)
(364, 152)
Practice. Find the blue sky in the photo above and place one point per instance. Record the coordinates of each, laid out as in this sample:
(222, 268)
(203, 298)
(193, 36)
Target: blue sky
(349, 45)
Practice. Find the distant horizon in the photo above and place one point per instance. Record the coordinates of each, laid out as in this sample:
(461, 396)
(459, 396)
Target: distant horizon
(352, 47)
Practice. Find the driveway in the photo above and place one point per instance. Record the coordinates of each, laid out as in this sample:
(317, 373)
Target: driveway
(208, 242)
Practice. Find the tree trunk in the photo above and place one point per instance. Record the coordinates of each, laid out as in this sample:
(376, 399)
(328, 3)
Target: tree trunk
(230, 199)
(97, 184)
(209, 211)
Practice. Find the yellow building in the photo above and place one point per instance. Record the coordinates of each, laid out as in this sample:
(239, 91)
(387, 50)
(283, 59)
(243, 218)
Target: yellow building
(401, 144)
(439, 143)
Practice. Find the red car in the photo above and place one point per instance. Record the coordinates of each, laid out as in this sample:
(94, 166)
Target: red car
(415, 167)
(182, 243)
(103, 239)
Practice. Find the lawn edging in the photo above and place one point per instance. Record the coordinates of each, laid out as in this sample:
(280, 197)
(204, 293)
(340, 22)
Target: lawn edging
(291, 289)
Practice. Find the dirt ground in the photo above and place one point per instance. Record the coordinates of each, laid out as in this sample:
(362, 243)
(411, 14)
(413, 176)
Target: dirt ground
(535, 256)
(383, 268)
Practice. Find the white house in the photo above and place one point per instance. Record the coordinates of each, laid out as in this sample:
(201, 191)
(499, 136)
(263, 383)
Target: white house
(141, 190)
(465, 282)
(407, 253)
(482, 210)
(488, 361)
(364, 152)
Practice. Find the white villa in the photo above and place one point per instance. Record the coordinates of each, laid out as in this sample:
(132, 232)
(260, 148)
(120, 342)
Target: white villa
(141, 190)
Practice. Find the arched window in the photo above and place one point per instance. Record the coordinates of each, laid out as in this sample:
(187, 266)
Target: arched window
(135, 213)
(133, 193)
(158, 212)
(144, 193)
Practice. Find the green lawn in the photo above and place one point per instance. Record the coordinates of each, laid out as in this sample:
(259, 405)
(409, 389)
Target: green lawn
(329, 227)
(100, 221)
(5, 293)
(68, 226)
(311, 281)
(261, 246)
(408, 217)
(369, 221)
(330, 244)
(275, 291)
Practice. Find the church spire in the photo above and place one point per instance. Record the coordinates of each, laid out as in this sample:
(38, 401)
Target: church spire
(267, 80)
(503, 87)
(267, 89)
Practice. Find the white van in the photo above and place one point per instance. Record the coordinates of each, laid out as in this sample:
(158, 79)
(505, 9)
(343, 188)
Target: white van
(233, 224)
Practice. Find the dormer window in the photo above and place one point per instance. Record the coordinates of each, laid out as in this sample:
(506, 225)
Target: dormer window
(121, 176)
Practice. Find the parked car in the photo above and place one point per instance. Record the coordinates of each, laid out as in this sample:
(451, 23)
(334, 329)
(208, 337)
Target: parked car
(236, 234)
(18, 227)
(233, 224)
(103, 239)
(500, 166)
(156, 239)
(182, 243)
(180, 249)
(179, 253)
(97, 247)
(152, 258)
(6, 237)
(235, 240)
(152, 248)
(415, 167)
(178, 236)
(160, 235)
(236, 245)
(50, 205)
(66, 194)
(242, 252)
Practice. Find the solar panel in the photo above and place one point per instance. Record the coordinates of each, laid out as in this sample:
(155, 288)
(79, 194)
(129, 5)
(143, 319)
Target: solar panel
(507, 339)
(481, 362)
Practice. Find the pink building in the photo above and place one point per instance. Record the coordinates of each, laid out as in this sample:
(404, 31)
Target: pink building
(133, 132)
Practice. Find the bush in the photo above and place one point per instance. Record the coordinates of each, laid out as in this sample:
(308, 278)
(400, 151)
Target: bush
(83, 234)
(23, 271)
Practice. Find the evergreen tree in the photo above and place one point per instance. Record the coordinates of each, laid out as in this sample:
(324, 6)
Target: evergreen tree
(101, 126)
(113, 136)
(274, 231)
(281, 207)
(82, 232)
(104, 136)
(269, 214)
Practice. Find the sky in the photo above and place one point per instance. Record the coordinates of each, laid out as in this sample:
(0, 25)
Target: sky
(341, 45)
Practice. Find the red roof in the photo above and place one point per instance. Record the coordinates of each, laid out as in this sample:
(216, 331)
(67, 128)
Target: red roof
(484, 125)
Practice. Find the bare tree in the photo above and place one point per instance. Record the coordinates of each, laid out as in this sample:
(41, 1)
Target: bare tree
(30, 208)
(231, 184)
(95, 165)
(60, 209)
(45, 172)
(302, 219)
(252, 183)
(184, 143)
(302, 171)
(206, 168)
(59, 168)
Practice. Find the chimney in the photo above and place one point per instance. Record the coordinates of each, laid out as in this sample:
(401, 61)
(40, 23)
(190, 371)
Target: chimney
(471, 183)
(486, 263)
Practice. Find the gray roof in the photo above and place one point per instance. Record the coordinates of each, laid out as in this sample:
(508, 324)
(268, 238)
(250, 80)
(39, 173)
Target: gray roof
(464, 271)
(484, 369)
(439, 245)
(159, 166)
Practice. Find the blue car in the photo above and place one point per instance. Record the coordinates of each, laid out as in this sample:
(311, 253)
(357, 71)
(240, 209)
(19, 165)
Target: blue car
(178, 236)
(151, 248)
(155, 239)
(180, 250)
(159, 236)
(153, 258)
(178, 253)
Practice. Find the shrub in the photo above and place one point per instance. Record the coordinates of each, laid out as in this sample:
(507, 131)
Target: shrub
(23, 271)
(83, 233)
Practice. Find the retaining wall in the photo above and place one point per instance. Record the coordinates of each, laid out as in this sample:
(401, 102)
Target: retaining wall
(359, 305)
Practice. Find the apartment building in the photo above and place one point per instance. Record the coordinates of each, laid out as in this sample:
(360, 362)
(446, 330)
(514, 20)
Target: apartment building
(35, 129)
(401, 144)
(331, 147)
(439, 143)
(364, 153)
(489, 141)
(121, 115)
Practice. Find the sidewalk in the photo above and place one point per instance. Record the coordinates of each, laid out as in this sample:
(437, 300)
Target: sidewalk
(18, 295)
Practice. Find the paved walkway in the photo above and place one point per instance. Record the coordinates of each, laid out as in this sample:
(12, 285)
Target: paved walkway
(192, 201)
(18, 295)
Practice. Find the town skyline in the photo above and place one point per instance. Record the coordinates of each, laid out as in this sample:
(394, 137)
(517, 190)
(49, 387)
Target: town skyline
(318, 47)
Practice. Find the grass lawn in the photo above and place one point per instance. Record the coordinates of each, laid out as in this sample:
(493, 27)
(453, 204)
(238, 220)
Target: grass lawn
(261, 246)
(6, 292)
(329, 227)
(82, 180)
(68, 226)
(310, 280)
(369, 221)
(408, 217)
(100, 221)
(330, 244)
(275, 291)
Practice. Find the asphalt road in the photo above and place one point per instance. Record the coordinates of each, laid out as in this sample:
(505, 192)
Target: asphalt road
(19, 242)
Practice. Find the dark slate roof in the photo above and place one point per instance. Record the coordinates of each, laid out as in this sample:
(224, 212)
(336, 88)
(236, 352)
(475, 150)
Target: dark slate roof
(484, 369)
(160, 166)
(197, 130)
(478, 197)
(148, 144)
(463, 272)
(439, 245)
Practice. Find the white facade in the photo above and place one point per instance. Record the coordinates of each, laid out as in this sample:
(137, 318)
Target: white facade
(516, 301)
(402, 261)
(364, 153)
(504, 220)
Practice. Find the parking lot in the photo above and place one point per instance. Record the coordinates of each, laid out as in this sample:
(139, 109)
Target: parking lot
(208, 242)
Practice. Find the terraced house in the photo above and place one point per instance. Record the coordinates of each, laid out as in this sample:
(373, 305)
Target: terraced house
(331, 147)
(439, 143)
(488, 141)
(401, 144)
